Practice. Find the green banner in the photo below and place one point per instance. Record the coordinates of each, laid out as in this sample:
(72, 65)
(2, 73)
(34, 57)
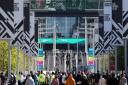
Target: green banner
(62, 40)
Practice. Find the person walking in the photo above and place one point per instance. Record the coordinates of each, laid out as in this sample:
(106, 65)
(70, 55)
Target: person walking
(123, 80)
(113, 80)
(29, 80)
(34, 77)
(3, 79)
(41, 79)
(84, 79)
(70, 80)
(55, 81)
(102, 81)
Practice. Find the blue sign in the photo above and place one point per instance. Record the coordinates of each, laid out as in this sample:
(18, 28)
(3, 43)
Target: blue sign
(40, 52)
(90, 51)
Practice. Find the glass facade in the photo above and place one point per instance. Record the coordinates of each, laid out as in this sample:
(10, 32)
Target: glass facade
(64, 5)
(64, 26)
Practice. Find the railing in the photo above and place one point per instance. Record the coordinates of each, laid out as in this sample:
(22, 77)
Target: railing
(66, 4)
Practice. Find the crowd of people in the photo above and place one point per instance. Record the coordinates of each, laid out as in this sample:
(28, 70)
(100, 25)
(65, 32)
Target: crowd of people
(62, 78)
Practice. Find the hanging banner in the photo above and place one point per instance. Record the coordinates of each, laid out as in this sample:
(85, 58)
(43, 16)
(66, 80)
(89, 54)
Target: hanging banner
(117, 28)
(26, 35)
(18, 22)
(26, 17)
(32, 26)
(6, 19)
(18, 13)
(99, 46)
(91, 57)
(33, 44)
(125, 25)
(40, 63)
(36, 30)
(96, 31)
(107, 16)
(125, 19)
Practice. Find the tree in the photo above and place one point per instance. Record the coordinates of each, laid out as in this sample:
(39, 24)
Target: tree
(13, 58)
(3, 55)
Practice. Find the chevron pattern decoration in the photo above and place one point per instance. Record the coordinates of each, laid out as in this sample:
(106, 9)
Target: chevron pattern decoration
(6, 24)
(33, 44)
(107, 41)
(125, 19)
(26, 42)
(99, 46)
(6, 19)
(18, 23)
(34, 49)
(26, 32)
(117, 28)
(114, 37)
(125, 24)
(117, 33)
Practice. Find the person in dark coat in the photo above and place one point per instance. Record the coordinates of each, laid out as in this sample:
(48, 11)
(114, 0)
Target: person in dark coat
(97, 77)
(84, 80)
(3, 79)
(113, 80)
(79, 78)
(34, 77)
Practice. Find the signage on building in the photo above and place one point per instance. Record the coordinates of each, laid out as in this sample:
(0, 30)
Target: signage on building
(40, 52)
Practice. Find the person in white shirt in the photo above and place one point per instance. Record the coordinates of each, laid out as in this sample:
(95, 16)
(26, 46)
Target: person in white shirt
(123, 80)
(102, 80)
(29, 80)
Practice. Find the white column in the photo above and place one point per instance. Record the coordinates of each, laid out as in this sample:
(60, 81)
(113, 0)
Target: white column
(71, 60)
(99, 63)
(76, 57)
(48, 57)
(126, 51)
(24, 62)
(115, 59)
(77, 52)
(29, 66)
(95, 67)
(35, 64)
(86, 42)
(54, 44)
(9, 60)
(65, 70)
(18, 58)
